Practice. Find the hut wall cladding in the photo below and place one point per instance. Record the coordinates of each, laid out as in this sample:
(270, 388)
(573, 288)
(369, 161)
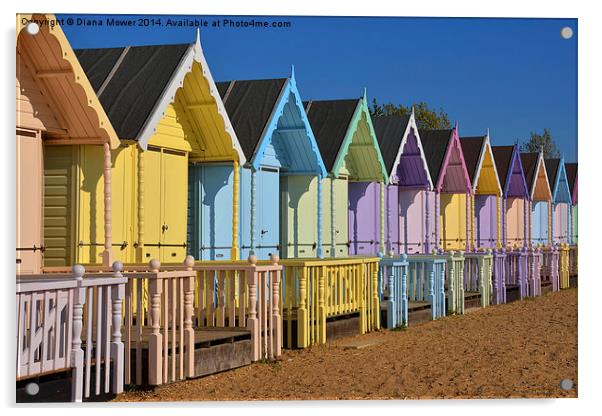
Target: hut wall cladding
(341, 223)
(539, 222)
(364, 218)
(298, 198)
(486, 221)
(515, 217)
(453, 221)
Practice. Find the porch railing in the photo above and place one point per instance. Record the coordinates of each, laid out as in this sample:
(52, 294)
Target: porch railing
(314, 290)
(516, 270)
(67, 322)
(499, 276)
(534, 261)
(393, 289)
(478, 270)
(549, 267)
(454, 281)
(426, 281)
(573, 260)
(563, 265)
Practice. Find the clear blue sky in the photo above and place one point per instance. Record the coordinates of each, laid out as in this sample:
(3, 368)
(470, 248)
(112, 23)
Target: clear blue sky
(511, 75)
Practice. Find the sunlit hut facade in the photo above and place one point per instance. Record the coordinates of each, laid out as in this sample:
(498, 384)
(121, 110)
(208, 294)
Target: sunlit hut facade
(540, 197)
(515, 202)
(64, 139)
(409, 202)
(561, 200)
(165, 108)
(485, 204)
(452, 188)
(353, 191)
(279, 198)
(571, 174)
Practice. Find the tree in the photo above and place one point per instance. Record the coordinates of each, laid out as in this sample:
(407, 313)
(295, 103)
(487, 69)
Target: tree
(543, 142)
(425, 117)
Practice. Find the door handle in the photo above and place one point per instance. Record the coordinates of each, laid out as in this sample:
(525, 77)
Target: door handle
(264, 232)
(164, 228)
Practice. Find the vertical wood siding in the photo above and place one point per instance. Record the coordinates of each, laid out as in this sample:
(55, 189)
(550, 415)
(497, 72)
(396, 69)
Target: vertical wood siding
(453, 221)
(364, 218)
(539, 222)
(412, 224)
(298, 210)
(515, 220)
(486, 221)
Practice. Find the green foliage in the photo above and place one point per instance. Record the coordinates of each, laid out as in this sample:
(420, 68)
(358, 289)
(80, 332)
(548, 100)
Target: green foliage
(426, 118)
(541, 141)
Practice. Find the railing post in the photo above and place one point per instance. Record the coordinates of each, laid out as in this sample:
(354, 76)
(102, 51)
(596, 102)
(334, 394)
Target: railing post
(77, 354)
(451, 284)
(302, 323)
(321, 306)
(375, 304)
(252, 321)
(431, 276)
(155, 339)
(118, 293)
(404, 289)
(188, 312)
(276, 317)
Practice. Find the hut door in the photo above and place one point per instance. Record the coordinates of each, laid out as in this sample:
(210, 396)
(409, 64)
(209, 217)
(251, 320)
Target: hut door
(486, 226)
(561, 222)
(174, 205)
(267, 214)
(364, 217)
(60, 172)
(165, 204)
(29, 202)
(539, 219)
(453, 221)
(216, 212)
(299, 216)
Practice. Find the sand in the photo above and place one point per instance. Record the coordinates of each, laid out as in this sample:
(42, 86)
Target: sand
(522, 349)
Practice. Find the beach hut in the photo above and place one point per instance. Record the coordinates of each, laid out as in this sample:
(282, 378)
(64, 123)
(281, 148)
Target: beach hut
(515, 202)
(164, 106)
(407, 213)
(452, 188)
(571, 174)
(561, 200)
(540, 197)
(280, 182)
(61, 127)
(353, 190)
(487, 192)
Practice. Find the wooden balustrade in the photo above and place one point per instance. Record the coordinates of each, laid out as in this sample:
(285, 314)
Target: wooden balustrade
(454, 281)
(563, 265)
(573, 260)
(314, 290)
(426, 281)
(516, 270)
(66, 322)
(534, 261)
(549, 267)
(499, 276)
(478, 272)
(393, 292)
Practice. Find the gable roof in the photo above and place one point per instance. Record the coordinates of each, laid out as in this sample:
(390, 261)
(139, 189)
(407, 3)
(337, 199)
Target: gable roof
(507, 160)
(346, 137)
(529, 162)
(435, 144)
(390, 133)
(571, 175)
(472, 148)
(66, 92)
(503, 159)
(557, 175)
(330, 121)
(553, 167)
(136, 84)
(250, 104)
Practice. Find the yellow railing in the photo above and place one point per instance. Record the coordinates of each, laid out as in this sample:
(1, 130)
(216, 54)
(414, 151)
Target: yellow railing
(563, 265)
(314, 290)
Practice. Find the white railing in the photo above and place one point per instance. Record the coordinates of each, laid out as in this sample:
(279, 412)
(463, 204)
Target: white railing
(65, 322)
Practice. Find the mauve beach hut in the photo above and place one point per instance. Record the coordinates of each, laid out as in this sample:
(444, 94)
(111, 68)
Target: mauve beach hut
(540, 197)
(167, 112)
(279, 196)
(571, 174)
(59, 121)
(409, 203)
(353, 190)
(487, 192)
(452, 188)
(561, 200)
(516, 195)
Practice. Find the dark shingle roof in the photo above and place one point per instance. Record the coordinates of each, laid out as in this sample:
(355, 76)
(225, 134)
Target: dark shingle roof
(503, 158)
(571, 175)
(471, 149)
(434, 143)
(552, 166)
(389, 133)
(329, 121)
(141, 74)
(249, 105)
(529, 162)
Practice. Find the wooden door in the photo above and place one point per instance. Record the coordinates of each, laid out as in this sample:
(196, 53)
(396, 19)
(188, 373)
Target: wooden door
(29, 202)
(267, 214)
(299, 213)
(215, 201)
(60, 176)
(174, 205)
(153, 206)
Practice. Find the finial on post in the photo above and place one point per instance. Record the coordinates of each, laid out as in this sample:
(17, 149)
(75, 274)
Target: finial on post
(275, 259)
(154, 264)
(189, 261)
(78, 271)
(252, 259)
(117, 266)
